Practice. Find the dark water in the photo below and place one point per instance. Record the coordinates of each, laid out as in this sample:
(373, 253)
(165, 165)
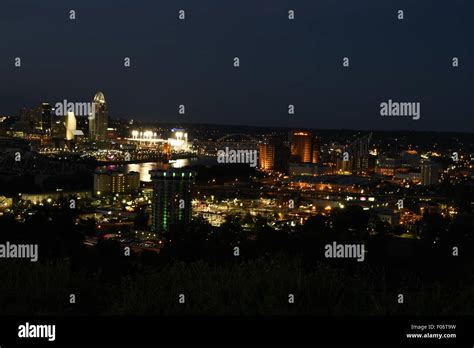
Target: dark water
(144, 168)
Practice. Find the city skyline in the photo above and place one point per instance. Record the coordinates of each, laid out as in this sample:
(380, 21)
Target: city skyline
(86, 119)
(185, 62)
(206, 166)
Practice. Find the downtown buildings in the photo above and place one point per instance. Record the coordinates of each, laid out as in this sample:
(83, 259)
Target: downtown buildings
(36, 120)
(116, 182)
(301, 146)
(99, 119)
(274, 154)
(171, 200)
(357, 154)
(65, 121)
(306, 156)
(305, 153)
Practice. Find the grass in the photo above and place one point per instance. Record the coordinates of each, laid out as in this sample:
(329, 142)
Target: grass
(254, 287)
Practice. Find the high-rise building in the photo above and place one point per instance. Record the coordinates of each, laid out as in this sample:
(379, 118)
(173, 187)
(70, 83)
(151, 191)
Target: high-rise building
(132, 182)
(273, 154)
(29, 120)
(358, 152)
(301, 146)
(266, 152)
(36, 120)
(171, 203)
(316, 149)
(116, 182)
(58, 127)
(342, 165)
(429, 173)
(46, 112)
(70, 125)
(99, 119)
(102, 183)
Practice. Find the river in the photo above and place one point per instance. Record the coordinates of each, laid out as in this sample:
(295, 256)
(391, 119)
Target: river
(144, 168)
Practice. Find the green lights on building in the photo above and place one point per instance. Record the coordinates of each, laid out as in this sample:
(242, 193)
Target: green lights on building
(171, 203)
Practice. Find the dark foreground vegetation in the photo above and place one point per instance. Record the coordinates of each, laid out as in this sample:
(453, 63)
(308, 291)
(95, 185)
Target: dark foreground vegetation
(200, 263)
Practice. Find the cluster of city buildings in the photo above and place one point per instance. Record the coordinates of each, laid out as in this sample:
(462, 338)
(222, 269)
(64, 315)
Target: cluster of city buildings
(318, 173)
(64, 121)
(301, 154)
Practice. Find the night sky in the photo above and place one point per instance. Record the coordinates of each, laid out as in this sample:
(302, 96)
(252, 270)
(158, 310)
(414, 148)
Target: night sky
(282, 62)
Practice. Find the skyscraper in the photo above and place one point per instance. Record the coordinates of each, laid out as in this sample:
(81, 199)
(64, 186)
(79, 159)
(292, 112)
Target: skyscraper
(171, 202)
(273, 154)
(358, 152)
(266, 156)
(70, 125)
(429, 173)
(58, 127)
(46, 118)
(301, 146)
(29, 120)
(99, 119)
(116, 182)
(316, 149)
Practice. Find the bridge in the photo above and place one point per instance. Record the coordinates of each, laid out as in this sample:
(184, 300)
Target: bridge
(229, 138)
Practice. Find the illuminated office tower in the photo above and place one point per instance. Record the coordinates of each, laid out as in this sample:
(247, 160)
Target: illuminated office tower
(266, 156)
(273, 154)
(115, 182)
(99, 119)
(171, 202)
(301, 146)
(70, 125)
(46, 118)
